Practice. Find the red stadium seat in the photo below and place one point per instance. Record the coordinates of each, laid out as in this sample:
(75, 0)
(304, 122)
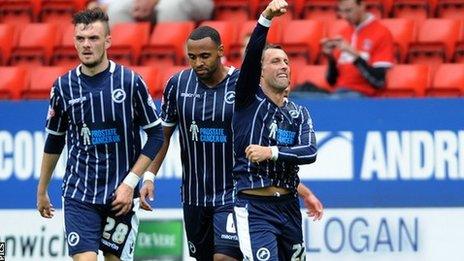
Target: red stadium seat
(36, 43)
(127, 40)
(403, 31)
(41, 81)
(150, 77)
(379, 8)
(416, 10)
(303, 45)
(7, 39)
(452, 9)
(232, 10)
(228, 32)
(435, 42)
(320, 10)
(448, 80)
(245, 29)
(166, 45)
(293, 12)
(164, 75)
(60, 11)
(14, 79)
(19, 12)
(314, 74)
(65, 52)
(459, 52)
(407, 80)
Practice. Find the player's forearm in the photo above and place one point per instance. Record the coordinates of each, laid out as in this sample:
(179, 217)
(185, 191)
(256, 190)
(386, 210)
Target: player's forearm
(159, 158)
(46, 170)
(302, 154)
(303, 191)
(250, 72)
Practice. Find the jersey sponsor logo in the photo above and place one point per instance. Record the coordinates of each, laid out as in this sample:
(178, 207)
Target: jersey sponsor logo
(105, 136)
(118, 95)
(263, 254)
(85, 133)
(331, 145)
(77, 100)
(213, 135)
(190, 95)
(285, 137)
(73, 239)
(230, 97)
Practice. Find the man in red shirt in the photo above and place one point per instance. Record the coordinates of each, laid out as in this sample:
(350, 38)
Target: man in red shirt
(359, 58)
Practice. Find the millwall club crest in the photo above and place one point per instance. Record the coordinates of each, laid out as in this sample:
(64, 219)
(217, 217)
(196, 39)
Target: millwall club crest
(230, 97)
(118, 95)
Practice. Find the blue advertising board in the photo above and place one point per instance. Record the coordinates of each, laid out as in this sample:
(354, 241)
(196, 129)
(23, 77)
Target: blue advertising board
(372, 153)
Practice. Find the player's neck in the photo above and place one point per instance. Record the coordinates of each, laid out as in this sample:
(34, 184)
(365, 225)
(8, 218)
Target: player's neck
(91, 71)
(276, 96)
(217, 77)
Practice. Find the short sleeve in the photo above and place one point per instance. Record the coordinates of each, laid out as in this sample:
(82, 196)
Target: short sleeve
(57, 118)
(145, 108)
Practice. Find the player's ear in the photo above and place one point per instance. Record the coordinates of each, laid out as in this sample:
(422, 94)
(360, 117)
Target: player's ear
(107, 42)
(221, 50)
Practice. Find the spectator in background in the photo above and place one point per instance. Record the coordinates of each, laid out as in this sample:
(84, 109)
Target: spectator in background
(122, 11)
(358, 60)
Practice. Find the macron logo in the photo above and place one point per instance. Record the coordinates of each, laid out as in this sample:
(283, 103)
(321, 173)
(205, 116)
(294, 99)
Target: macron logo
(331, 145)
(78, 100)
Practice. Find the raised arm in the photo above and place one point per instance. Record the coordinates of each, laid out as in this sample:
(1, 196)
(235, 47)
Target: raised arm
(250, 72)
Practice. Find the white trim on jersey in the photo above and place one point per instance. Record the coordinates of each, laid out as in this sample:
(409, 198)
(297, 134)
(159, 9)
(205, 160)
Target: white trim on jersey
(168, 124)
(54, 132)
(153, 124)
(243, 232)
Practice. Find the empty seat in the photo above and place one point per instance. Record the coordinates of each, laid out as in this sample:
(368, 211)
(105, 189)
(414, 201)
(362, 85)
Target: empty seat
(14, 79)
(127, 40)
(313, 74)
(448, 80)
(7, 34)
(65, 53)
(149, 75)
(227, 30)
(403, 31)
(19, 12)
(164, 75)
(416, 10)
(407, 80)
(232, 10)
(303, 45)
(60, 11)
(41, 81)
(453, 9)
(379, 8)
(294, 9)
(274, 36)
(167, 43)
(320, 10)
(435, 41)
(36, 43)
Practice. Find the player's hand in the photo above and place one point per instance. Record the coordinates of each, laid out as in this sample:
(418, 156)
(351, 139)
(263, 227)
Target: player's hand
(275, 8)
(44, 206)
(313, 206)
(257, 153)
(122, 199)
(146, 192)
